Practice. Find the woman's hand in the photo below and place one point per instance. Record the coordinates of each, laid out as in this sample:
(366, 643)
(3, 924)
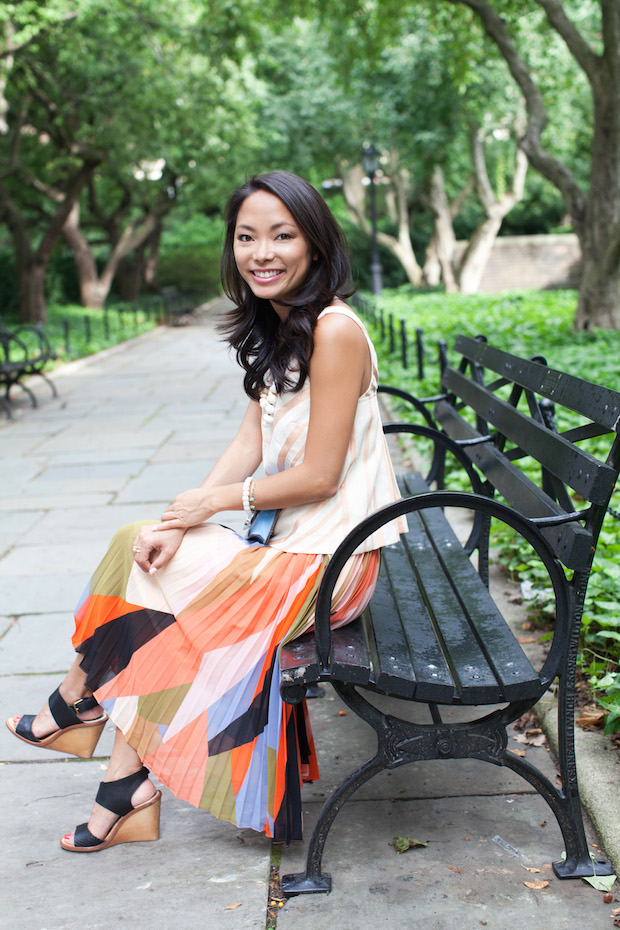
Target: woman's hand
(187, 509)
(154, 550)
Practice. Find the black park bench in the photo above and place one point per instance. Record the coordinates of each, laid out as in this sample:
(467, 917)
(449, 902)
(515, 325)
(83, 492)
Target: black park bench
(24, 351)
(433, 632)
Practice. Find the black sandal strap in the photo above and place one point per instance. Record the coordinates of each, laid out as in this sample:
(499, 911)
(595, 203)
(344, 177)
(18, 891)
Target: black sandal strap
(83, 837)
(24, 728)
(116, 796)
(66, 715)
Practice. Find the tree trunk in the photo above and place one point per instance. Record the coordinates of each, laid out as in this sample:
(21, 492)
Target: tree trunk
(400, 246)
(599, 233)
(432, 266)
(599, 293)
(140, 268)
(480, 245)
(32, 264)
(477, 254)
(95, 288)
(151, 268)
(92, 293)
(443, 242)
(595, 215)
(33, 306)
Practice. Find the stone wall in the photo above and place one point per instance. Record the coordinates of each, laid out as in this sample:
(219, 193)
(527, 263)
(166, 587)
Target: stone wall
(531, 261)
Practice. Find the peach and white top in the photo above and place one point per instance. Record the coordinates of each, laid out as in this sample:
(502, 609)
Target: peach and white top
(367, 481)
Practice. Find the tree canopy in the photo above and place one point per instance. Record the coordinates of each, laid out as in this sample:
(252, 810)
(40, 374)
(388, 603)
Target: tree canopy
(113, 113)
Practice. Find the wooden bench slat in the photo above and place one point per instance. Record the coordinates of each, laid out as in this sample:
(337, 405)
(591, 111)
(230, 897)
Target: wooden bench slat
(432, 675)
(597, 403)
(473, 678)
(350, 661)
(572, 543)
(592, 479)
(298, 660)
(511, 667)
(391, 661)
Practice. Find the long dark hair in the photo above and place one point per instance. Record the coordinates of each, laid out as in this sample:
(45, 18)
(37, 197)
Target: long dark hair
(253, 328)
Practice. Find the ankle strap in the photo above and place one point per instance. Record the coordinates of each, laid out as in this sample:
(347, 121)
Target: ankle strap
(66, 715)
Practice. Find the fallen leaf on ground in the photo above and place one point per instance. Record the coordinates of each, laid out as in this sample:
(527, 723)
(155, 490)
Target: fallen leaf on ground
(342, 713)
(536, 886)
(531, 738)
(527, 639)
(530, 869)
(600, 882)
(592, 717)
(232, 907)
(402, 843)
(519, 752)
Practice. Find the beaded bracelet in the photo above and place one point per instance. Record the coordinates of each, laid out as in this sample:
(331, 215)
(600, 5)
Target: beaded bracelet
(251, 498)
(247, 484)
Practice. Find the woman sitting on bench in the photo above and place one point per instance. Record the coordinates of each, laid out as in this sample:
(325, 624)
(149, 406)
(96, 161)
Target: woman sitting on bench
(177, 634)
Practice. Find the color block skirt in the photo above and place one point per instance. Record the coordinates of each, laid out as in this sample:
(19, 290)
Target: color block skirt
(185, 662)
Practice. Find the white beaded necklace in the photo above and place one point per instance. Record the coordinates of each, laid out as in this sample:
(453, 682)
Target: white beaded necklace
(268, 398)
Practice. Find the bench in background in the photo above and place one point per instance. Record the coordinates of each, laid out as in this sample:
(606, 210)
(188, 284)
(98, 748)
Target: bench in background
(24, 351)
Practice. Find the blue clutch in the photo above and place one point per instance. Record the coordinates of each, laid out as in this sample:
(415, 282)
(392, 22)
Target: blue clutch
(261, 526)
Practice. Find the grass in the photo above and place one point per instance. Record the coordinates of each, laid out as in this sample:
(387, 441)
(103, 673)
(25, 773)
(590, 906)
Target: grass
(525, 323)
(74, 331)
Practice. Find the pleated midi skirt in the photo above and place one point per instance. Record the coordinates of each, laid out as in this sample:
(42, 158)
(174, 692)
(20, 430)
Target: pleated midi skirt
(185, 662)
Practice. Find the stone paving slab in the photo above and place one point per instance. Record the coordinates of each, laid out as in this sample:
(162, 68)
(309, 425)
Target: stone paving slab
(464, 878)
(480, 844)
(23, 594)
(68, 558)
(186, 881)
(18, 655)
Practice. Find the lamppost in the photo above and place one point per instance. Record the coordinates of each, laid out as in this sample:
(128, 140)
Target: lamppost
(370, 163)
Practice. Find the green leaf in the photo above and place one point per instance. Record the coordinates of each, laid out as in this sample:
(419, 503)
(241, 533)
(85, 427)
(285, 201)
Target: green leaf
(600, 882)
(402, 843)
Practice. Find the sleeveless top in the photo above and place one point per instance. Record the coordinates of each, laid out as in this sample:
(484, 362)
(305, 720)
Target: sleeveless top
(367, 481)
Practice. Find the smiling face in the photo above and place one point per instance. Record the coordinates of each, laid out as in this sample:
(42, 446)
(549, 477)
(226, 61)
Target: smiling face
(271, 253)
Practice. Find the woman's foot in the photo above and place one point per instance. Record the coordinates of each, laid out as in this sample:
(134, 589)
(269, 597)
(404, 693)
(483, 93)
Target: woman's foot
(71, 728)
(126, 811)
(44, 724)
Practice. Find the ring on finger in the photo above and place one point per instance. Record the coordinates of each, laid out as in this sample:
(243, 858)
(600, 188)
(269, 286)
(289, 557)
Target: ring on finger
(136, 548)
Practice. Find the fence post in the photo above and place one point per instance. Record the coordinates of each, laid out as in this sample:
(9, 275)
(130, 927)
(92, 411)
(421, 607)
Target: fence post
(391, 332)
(65, 330)
(420, 351)
(403, 343)
(443, 356)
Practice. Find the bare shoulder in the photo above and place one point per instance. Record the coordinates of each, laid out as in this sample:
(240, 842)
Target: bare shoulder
(339, 328)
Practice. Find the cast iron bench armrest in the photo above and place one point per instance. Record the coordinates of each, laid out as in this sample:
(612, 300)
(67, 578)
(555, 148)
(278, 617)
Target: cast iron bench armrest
(418, 402)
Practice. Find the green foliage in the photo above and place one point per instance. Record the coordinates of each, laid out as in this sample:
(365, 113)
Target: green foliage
(526, 323)
(75, 332)
(189, 256)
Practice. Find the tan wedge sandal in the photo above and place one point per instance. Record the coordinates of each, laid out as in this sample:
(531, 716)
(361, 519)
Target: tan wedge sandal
(135, 824)
(75, 737)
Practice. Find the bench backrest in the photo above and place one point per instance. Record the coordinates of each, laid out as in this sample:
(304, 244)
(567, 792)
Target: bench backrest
(499, 407)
